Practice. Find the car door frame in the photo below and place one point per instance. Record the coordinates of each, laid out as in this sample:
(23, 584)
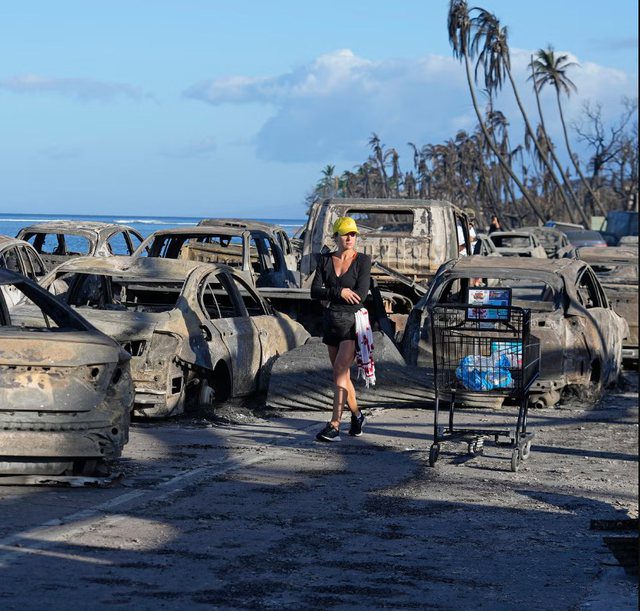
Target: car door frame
(603, 317)
(239, 335)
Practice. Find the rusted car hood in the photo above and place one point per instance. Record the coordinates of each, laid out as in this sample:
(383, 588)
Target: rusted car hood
(61, 350)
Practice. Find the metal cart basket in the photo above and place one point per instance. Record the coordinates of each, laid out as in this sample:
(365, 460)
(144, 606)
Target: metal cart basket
(487, 350)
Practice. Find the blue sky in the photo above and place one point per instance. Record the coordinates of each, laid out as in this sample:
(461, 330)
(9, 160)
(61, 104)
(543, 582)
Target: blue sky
(202, 108)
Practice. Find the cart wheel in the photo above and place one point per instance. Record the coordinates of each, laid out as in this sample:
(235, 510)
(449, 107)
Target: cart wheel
(526, 450)
(434, 452)
(475, 447)
(515, 460)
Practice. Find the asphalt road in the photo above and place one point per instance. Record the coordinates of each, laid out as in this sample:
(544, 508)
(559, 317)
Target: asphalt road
(259, 515)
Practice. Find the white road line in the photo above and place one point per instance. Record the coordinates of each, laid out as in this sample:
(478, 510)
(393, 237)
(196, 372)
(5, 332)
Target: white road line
(61, 555)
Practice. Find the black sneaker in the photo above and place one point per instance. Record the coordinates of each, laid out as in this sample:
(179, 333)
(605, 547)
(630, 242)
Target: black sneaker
(328, 433)
(357, 422)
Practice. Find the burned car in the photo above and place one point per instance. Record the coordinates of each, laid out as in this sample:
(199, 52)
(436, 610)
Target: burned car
(580, 335)
(617, 270)
(518, 244)
(59, 241)
(254, 254)
(484, 246)
(20, 257)
(554, 241)
(65, 388)
(196, 332)
(586, 238)
(275, 231)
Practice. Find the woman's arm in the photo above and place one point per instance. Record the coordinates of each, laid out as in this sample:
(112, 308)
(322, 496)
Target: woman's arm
(363, 280)
(318, 290)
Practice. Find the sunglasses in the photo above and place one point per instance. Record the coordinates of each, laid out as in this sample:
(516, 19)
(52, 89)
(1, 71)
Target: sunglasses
(351, 234)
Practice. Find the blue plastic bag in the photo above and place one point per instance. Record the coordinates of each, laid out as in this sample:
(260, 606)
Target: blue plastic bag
(481, 373)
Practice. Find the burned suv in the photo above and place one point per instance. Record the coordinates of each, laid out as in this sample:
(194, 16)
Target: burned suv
(407, 240)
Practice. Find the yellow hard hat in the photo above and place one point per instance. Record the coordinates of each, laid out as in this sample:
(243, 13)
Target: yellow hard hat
(344, 225)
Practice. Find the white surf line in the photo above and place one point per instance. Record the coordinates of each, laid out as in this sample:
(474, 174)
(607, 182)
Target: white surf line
(34, 541)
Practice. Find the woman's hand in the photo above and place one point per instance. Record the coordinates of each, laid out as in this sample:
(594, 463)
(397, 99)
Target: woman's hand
(349, 296)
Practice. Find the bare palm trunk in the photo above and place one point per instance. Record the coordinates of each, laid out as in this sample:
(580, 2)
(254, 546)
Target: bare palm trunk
(492, 145)
(573, 159)
(565, 178)
(543, 157)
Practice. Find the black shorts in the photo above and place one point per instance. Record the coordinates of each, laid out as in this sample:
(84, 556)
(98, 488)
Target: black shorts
(337, 327)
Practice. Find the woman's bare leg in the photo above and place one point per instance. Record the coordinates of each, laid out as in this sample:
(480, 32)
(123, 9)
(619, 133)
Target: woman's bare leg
(352, 402)
(342, 361)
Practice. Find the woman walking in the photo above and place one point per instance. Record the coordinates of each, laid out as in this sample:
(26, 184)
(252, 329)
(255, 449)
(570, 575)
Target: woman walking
(342, 279)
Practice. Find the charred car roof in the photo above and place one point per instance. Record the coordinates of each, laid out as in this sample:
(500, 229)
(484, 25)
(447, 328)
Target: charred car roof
(542, 269)
(549, 231)
(202, 230)
(239, 223)
(511, 234)
(613, 255)
(9, 241)
(370, 202)
(87, 228)
(148, 268)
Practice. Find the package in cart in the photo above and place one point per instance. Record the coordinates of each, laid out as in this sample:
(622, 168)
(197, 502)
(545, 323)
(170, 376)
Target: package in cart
(477, 372)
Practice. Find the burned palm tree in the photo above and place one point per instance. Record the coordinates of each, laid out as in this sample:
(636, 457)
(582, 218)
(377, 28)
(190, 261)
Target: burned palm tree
(490, 42)
(379, 159)
(396, 174)
(551, 69)
(565, 175)
(460, 27)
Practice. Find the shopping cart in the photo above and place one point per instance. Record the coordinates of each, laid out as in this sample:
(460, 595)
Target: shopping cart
(485, 350)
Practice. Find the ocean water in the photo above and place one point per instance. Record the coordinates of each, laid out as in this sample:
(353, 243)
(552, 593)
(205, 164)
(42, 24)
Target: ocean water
(10, 224)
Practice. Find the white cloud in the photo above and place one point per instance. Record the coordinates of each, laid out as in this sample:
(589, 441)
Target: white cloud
(327, 109)
(84, 89)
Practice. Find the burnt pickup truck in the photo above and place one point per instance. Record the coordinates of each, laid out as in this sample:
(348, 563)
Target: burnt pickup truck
(407, 240)
(410, 237)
